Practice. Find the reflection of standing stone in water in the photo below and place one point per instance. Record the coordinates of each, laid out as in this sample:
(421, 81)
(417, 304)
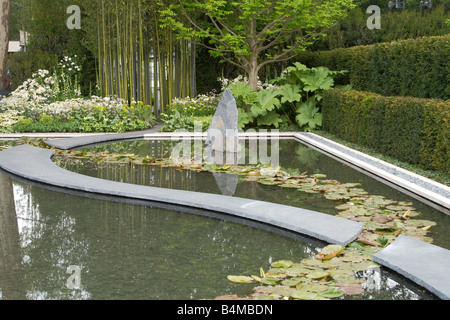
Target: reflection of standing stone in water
(223, 133)
(226, 182)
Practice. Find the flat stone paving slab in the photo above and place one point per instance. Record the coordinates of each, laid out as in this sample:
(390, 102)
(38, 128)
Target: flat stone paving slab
(35, 164)
(426, 264)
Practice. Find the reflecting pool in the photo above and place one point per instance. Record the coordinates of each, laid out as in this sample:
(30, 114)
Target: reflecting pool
(63, 246)
(127, 251)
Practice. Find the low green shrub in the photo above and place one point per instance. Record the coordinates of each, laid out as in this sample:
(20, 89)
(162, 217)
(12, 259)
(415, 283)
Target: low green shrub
(413, 130)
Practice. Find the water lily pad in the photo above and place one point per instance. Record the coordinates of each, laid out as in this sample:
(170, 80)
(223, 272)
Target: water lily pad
(318, 274)
(292, 282)
(298, 270)
(331, 293)
(336, 196)
(282, 264)
(304, 295)
(399, 208)
(240, 279)
(420, 223)
(278, 290)
(313, 287)
(365, 265)
(270, 281)
(350, 288)
(329, 252)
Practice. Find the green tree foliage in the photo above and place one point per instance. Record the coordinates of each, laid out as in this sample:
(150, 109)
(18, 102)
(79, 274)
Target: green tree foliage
(253, 34)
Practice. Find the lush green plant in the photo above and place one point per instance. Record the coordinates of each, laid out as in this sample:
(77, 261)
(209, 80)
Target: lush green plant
(27, 125)
(125, 118)
(412, 130)
(203, 105)
(23, 65)
(177, 121)
(293, 99)
(184, 113)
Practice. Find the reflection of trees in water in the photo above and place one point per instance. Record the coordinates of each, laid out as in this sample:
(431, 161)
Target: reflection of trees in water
(45, 269)
(134, 252)
(11, 275)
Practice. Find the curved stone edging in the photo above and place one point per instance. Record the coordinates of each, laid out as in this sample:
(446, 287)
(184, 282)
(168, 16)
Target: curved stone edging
(424, 263)
(33, 163)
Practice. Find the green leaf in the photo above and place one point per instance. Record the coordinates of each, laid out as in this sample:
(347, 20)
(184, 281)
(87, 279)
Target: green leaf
(318, 274)
(318, 79)
(382, 240)
(244, 92)
(244, 118)
(304, 295)
(267, 99)
(289, 93)
(271, 118)
(270, 281)
(308, 116)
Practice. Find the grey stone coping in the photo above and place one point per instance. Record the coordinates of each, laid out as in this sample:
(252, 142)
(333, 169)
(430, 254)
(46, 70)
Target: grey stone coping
(35, 164)
(426, 264)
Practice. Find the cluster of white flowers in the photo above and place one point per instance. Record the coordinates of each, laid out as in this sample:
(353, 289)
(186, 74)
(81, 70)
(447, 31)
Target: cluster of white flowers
(70, 64)
(227, 82)
(37, 96)
(37, 90)
(68, 107)
(9, 118)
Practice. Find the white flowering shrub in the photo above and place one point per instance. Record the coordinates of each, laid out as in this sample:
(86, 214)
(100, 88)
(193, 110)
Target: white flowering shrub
(9, 118)
(55, 98)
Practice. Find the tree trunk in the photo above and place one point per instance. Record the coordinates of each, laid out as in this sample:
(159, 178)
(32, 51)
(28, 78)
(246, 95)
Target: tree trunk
(252, 71)
(4, 40)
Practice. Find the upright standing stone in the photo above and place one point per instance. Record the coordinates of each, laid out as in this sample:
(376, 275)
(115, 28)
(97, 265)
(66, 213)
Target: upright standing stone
(223, 133)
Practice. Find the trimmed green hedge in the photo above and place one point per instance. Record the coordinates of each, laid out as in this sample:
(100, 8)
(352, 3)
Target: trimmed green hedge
(413, 130)
(414, 67)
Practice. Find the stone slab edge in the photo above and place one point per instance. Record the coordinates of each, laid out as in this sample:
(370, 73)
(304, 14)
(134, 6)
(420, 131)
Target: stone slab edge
(375, 166)
(424, 263)
(35, 164)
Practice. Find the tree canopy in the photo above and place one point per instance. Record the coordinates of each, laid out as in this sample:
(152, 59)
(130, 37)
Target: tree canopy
(254, 33)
